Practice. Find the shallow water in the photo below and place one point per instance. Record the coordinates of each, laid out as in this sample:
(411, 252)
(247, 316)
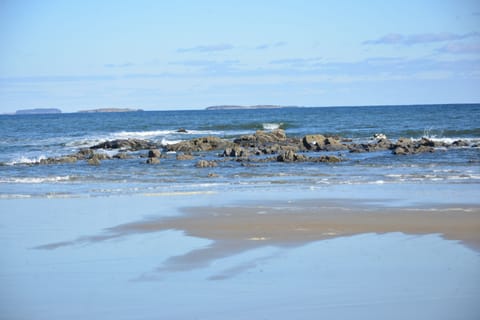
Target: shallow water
(27, 139)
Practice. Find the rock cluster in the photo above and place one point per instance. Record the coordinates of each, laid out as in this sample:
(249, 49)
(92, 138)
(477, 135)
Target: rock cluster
(261, 146)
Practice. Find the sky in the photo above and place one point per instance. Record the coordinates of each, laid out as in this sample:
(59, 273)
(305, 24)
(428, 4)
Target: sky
(172, 55)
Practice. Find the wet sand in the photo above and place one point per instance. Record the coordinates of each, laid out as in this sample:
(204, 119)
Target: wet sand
(263, 256)
(235, 229)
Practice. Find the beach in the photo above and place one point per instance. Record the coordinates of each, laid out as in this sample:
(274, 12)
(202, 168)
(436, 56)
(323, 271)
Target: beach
(241, 214)
(237, 255)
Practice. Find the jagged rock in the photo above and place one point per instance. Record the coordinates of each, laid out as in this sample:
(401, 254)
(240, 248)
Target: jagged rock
(84, 154)
(290, 156)
(333, 144)
(406, 146)
(153, 161)
(328, 159)
(94, 161)
(126, 144)
(235, 151)
(261, 138)
(122, 155)
(100, 156)
(206, 164)
(183, 156)
(59, 160)
(313, 141)
(208, 143)
(460, 143)
(154, 153)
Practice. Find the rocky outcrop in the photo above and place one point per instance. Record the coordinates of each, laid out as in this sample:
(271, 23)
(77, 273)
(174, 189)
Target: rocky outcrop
(291, 156)
(125, 144)
(236, 152)
(208, 143)
(261, 138)
(406, 146)
(318, 142)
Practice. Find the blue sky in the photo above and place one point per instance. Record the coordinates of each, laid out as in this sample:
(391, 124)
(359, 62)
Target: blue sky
(167, 55)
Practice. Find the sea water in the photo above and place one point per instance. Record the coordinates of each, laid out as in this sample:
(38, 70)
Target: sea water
(26, 139)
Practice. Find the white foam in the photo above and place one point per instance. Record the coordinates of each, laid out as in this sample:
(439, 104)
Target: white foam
(35, 180)
(26, 160)
(271, 126)
(161, 133)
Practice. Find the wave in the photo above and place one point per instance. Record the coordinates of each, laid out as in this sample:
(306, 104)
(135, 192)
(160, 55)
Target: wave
(271, 126)
(162, 133)
(247, 127)
(35, 180)
(25, 160)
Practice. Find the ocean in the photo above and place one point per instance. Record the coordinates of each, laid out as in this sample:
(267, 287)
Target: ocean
(26, 139)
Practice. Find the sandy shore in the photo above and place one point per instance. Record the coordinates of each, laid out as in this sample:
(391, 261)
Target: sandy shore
(235, 229)
(238, 256)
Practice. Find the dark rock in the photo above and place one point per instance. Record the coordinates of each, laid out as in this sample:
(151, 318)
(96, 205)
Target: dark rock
(426, 142)
(209, 143)
(84, 154)
(235, 151)
(262, 138)
(327, 159)
(126, 144)
(404, 142)
(406, 146)
(313, 141)
(206, 164)
(122, 155)
(400, 151)
(290, 156)
(154, 153)
(59, 160)
(460, 143)
(94, 161)
(153, 161)
(182, 130)
(333, 144)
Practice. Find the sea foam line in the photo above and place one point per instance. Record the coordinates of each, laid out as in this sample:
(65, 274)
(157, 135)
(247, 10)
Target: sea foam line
(35, 180)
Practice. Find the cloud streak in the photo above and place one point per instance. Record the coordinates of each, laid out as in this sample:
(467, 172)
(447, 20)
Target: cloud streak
(460, 48)
(420, 38)
(207, 48)
(266, 46)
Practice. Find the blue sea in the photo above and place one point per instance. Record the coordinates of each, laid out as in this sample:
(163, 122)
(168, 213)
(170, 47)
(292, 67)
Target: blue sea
(26, 139)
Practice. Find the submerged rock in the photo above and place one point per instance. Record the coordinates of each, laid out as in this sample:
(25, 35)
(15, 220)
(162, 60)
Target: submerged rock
(183, 157)
(206, 164)
(153, 161)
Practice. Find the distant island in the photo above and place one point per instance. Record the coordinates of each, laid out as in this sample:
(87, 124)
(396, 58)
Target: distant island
(38, 111)
(110, 110)
(234, 107)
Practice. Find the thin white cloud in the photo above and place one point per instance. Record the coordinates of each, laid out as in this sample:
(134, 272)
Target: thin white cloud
(207, 48)
(265, 46)
(461, 48)
(420, 38)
